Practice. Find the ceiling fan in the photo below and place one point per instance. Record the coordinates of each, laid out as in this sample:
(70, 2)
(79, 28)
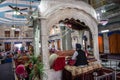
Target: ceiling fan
(16, 8)
(30, 11)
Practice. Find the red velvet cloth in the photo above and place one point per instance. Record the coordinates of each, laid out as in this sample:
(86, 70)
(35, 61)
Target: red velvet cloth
(59, 63)
(71, 62)
(65, 53)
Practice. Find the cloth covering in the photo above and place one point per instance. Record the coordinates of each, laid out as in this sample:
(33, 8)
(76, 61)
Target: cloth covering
(59, 63)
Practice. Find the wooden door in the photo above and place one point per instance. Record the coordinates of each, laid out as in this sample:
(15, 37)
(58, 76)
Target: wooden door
(58, 45)
(114, 43)
(7, 46)
(101, 44)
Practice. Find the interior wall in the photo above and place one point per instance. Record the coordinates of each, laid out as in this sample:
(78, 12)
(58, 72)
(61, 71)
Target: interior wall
(114, 42)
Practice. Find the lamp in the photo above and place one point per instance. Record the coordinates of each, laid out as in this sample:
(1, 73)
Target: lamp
(16, 13)
(103, 22)
(13, 27)
(104, 31)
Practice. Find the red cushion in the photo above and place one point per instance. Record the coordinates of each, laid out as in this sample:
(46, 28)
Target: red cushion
(59, 63)
(71, 62)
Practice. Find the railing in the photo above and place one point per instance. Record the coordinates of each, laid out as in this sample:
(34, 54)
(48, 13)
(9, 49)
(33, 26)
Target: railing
(111, 63)
(13, 63)
(107, 76)
(16, 39)
(12, 38)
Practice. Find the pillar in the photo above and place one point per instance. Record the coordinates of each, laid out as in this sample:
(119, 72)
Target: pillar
(44, 48)
(12, 45)
(36, 37)
(12, 33)
(87, 33)
(68, 40)
(80, 37)
(106, 43)
(95, 47)
(63, 36)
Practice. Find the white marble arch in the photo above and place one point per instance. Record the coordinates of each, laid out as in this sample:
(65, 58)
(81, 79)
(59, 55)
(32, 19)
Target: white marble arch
(76, 14)
(55, 13)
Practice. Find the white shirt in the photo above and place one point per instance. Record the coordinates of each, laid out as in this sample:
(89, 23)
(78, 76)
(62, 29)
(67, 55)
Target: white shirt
(74, 55)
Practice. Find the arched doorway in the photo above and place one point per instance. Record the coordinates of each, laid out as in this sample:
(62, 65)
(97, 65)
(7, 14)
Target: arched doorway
(57, 10)
(81, 15)
(68, 32)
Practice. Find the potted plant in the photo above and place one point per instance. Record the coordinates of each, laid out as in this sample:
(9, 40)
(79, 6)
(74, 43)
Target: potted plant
(37, 71)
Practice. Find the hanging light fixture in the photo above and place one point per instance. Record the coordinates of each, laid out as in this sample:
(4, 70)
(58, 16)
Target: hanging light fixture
(16, 13)
(13, 27)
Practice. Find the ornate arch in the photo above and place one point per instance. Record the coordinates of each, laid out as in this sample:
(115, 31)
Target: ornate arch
(70, 12)
(62, 11)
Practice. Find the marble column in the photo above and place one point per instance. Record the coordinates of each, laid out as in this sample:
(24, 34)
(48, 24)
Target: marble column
(95, 47)
(106, 43)
(12, 33)
(63, 37)
(80, 37)
(36, 37)
(12, 45)
(68, 40)
(87, 33)
(44, 48)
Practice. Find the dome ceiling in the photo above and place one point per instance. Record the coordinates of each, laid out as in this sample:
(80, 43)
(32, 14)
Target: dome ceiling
(9, 9)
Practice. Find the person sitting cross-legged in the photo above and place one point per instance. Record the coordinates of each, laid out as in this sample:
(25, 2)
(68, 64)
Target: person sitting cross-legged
(79, 56)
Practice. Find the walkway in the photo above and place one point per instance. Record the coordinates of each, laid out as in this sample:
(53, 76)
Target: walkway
(6, 71)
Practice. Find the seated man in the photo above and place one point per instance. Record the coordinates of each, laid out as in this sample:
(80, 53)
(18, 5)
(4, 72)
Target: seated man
(79, 56)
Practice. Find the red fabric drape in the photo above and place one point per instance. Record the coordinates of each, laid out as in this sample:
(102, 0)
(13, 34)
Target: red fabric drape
(59, 63)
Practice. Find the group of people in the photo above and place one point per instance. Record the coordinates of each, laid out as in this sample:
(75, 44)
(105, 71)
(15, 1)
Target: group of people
(79, 55)
(23, 50)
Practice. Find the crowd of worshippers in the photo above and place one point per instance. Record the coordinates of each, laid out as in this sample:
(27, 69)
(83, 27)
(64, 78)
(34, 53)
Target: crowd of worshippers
(23, 50)
(6, 56)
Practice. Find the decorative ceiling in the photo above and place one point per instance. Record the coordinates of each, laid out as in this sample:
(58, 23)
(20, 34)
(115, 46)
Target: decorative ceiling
(10, 8)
